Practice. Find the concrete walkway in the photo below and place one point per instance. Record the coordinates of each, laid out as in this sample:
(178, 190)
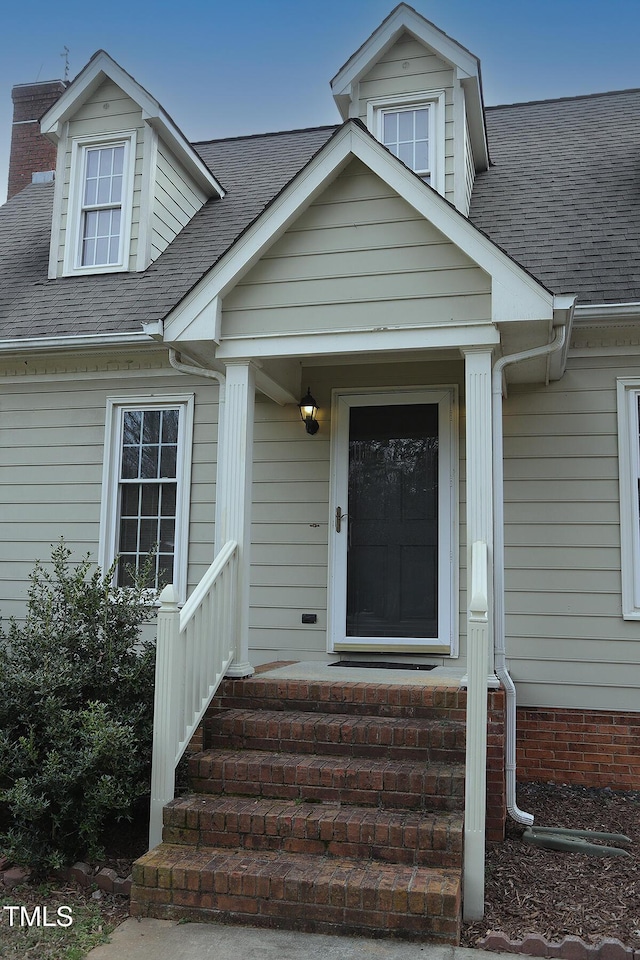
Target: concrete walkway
(167, 940)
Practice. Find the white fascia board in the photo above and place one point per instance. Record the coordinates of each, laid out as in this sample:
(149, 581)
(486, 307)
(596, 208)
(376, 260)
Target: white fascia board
(515, 294)
(475, 119)
(48, 344)
(88, 81)
(403, 18)
(337, 343)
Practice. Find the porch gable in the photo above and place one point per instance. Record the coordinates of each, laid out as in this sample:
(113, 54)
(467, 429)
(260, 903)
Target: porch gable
(514, 294)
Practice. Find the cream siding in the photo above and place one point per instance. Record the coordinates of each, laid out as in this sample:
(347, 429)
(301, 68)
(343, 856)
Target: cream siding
(52, 453)
(409, 67)
(358, 257)
(108, 110)
(567, 642)
(177, 198)
(164, 194)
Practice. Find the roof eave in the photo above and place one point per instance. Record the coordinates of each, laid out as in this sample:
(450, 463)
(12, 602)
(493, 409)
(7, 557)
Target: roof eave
(102, 66)
(54, 344)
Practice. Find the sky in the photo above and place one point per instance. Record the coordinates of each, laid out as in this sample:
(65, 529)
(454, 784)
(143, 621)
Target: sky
(251, 66)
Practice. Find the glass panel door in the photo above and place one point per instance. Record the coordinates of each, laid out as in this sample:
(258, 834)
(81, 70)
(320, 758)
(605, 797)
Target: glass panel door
(392, 533)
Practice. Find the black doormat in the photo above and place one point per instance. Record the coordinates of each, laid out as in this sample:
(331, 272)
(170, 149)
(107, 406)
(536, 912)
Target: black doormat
(383, 665)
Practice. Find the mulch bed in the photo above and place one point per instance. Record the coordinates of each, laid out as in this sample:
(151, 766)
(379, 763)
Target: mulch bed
(556, 894)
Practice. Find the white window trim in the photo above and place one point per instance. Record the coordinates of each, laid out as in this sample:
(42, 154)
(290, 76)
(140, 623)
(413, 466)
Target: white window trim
(447, 642)
(424, 98)
(72, 262)
(629, 472)
(109, 526)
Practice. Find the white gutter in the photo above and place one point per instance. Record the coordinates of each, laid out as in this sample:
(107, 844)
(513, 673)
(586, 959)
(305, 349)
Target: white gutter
(19, 344)
(585, 312)
(498, 565)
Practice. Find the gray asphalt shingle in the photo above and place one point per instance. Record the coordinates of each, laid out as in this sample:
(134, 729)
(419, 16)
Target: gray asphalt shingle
(562, 197)
(252, 170)
(563, 193)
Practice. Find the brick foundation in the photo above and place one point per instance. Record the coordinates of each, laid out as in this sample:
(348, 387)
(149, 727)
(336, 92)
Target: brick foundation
(496, 783)
(582, 747)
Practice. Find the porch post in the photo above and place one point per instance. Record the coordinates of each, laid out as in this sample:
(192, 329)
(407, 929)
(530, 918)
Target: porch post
(233, 492)
(479, 445)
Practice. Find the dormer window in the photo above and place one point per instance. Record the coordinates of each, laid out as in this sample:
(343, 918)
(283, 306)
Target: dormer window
(406, 134)
(100, 204)
(412, 128)
(101, 233)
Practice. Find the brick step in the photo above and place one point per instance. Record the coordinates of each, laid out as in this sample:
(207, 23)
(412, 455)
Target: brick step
(295, 891)
(391, 738)
(353, 780)
(377, 699)
(367, 833)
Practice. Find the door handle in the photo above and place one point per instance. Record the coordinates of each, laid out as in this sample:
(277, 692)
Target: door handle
(340, 516)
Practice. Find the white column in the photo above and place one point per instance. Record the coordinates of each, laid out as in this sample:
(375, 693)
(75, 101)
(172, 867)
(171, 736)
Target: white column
(479, 448)
(233, 492)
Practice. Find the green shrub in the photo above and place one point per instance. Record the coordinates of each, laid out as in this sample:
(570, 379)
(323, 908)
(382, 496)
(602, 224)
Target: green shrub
(76, 713)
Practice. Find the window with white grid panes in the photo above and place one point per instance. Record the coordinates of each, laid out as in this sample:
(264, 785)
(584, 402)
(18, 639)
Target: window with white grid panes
(102, 192)
(147, 497)
(405, 132)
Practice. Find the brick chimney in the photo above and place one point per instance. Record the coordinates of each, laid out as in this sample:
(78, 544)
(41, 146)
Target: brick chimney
(31, 153)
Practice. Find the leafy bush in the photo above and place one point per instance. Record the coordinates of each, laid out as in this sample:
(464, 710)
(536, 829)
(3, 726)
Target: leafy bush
(76, 713)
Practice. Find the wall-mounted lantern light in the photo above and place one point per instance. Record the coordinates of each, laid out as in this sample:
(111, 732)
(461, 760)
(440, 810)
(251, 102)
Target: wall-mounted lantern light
(309, 412)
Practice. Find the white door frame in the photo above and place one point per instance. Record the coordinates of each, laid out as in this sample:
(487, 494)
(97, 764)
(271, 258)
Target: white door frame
(446, 397)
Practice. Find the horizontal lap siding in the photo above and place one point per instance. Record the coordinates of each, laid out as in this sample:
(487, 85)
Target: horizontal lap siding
(108, 110)
(51, 458)
(350, 261)
(567, 642)
(176, 200)
(409, 67)
(288, 554)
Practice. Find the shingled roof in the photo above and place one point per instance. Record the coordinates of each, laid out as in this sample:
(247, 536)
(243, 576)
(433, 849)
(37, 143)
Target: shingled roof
(251, 169)
(563, 193)
(562, 197)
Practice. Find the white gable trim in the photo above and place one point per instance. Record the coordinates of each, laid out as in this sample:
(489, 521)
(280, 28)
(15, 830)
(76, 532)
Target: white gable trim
(466, 66)
(100, 67)
(403, 18)
(515, 294)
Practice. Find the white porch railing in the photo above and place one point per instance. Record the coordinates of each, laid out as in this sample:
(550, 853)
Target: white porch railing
(194, 650)
(475, 806)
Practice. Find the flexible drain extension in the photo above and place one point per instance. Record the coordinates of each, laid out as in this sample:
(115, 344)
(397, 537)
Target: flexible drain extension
(576, 841)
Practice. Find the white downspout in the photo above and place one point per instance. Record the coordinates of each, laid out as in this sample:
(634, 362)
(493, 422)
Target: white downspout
(498, 562)
(177, 364)
(175, 359)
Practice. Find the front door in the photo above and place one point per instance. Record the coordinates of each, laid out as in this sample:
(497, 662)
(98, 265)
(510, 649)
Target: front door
(392, 522)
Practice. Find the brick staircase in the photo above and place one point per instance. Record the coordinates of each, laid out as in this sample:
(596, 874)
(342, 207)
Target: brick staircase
(328, 807)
